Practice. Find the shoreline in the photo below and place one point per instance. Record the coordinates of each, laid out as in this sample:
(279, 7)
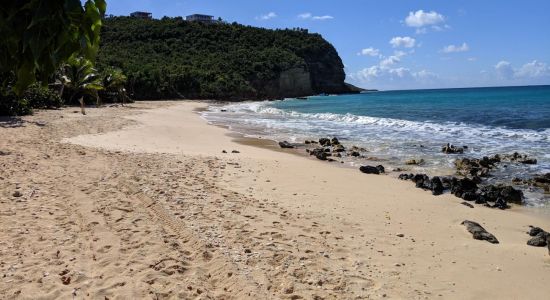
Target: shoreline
(258, 118)
(282, 225)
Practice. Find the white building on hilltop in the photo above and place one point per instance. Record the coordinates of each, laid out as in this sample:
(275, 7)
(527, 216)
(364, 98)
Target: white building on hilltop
(201, 18)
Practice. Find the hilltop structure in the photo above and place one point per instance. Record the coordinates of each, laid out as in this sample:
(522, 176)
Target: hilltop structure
(142, 15)
(201, 18)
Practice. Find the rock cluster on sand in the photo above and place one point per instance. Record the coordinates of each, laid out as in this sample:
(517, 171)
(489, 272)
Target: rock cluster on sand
(481, 167)
(540, 181)
(497, 195)
(331, 147)
(478, 232)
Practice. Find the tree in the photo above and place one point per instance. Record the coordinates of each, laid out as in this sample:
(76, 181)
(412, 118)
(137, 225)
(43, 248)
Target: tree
(113, 82)
(37, 36)
(80, 79)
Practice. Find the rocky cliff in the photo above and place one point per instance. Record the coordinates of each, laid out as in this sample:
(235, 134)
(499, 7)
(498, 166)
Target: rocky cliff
(172, 58)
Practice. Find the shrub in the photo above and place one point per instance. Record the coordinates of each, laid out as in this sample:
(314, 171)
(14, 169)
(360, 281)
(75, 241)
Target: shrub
(38, 96)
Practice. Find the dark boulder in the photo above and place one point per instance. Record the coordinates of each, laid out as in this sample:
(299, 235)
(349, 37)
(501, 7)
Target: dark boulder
(406, 176)
(539, 237)
(355, 154)
(286, 144)
(478, 232)
(505, 192)
(335, 141)
(436, 185)
(319, 153)
(467, 204)
(324, 142)
(539, 240)
(534, 231)
(372, 170)
(451, 149)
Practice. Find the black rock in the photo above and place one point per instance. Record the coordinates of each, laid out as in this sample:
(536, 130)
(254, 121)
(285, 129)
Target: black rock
(406, 176)
(286, 144)
(478, 232)
(501, 203)
(355, 154)
(534, 231)
(469, 196)
(540, 237)
(505, 192)
(437, 186)
(372, 170)
(450, 149)
(319, 153)
(324, 142)
(335, 141)
(539, 240)
(467, 204)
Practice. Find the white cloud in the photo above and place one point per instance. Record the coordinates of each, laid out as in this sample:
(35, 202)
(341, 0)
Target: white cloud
(504, 69)
(392, 60)
(421, 18)
(533, 69)
(453, 49)
(530, 70)
(322, 18)
(267, 16)
(405, 41)
(472, 58)
(370, 52)
(309, 16)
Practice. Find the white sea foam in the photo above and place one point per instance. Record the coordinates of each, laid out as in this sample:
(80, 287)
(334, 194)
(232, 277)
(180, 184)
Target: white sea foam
(254, 110)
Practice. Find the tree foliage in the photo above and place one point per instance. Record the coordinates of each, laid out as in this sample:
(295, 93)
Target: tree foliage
(172, 58)
(37, 36)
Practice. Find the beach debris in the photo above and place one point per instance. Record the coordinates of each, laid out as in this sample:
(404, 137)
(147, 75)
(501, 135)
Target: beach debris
(451, 149)
(414, 162)
(372, 170)
(3, 153)
(539, 237)
(400, 235)
(478, 232)
(223, 151)
(17, 194)
(235, 151)
(285, 144)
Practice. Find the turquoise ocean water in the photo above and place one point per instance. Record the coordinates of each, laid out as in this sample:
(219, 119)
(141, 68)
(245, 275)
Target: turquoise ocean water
(399, 125)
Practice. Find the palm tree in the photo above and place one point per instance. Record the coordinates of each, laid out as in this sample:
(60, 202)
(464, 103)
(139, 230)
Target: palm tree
(113, 83)
(80, 79)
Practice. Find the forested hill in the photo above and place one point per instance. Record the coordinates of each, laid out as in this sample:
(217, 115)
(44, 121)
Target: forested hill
(172, 58)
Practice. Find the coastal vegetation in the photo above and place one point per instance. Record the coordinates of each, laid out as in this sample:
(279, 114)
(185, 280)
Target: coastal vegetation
(47, 55)
(172, 58)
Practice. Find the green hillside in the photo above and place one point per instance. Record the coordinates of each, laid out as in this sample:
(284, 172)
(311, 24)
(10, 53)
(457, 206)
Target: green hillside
(172, 58)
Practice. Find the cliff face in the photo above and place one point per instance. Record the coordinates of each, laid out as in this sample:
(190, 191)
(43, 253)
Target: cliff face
(171, 58)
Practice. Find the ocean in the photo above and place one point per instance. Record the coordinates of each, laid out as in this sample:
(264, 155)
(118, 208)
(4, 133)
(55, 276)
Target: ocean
(395, 126)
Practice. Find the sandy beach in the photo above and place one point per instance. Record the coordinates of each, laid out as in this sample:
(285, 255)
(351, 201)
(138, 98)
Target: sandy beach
(140, 202)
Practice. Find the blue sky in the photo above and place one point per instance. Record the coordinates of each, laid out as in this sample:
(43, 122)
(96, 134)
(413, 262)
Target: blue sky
(402, 44)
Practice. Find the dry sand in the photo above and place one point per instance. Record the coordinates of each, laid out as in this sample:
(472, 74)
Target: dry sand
(140, 202)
